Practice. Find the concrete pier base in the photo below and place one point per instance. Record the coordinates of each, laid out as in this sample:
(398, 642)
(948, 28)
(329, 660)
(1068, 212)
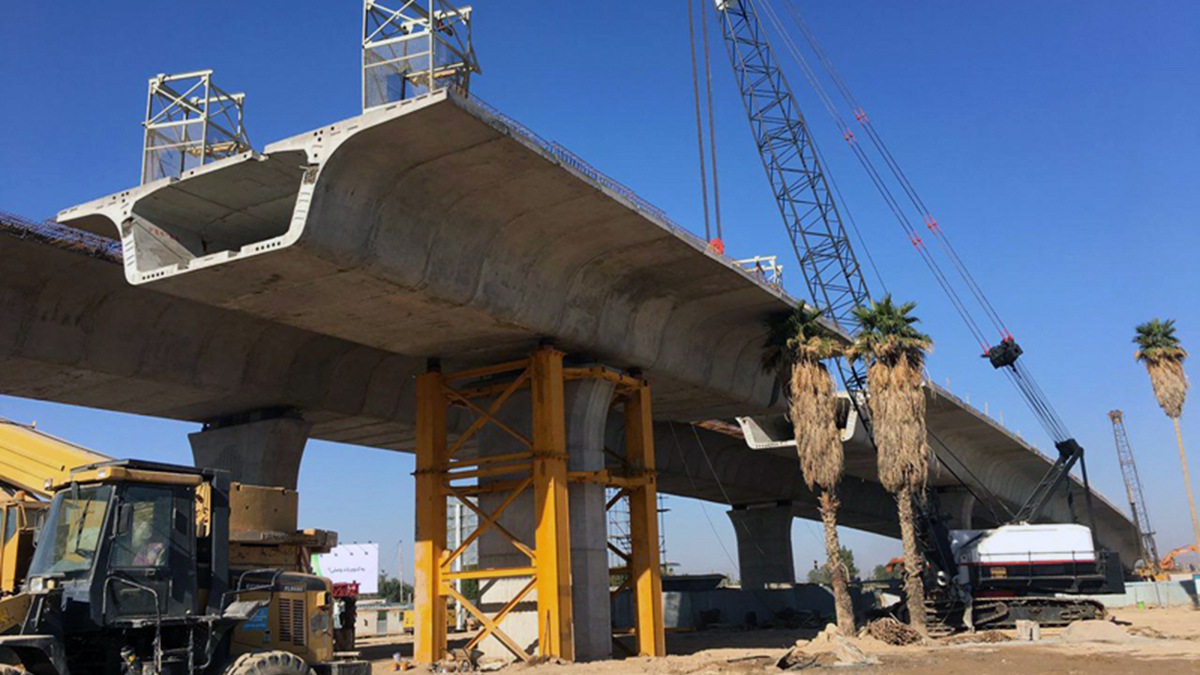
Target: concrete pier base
(764, 537)
(258, 452)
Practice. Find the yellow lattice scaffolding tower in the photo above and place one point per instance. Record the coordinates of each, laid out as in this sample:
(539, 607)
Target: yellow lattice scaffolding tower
(540, 466)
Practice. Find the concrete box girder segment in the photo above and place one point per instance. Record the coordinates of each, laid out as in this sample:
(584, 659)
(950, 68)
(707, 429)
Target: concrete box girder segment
(76, 332)
(432, 228)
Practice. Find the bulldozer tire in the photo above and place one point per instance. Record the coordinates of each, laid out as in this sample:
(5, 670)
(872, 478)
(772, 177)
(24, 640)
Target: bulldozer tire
(266, 663)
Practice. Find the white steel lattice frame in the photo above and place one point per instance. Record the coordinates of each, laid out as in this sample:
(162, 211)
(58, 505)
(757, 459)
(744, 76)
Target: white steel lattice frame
(424, 48)
(189, 122)
(766, 267)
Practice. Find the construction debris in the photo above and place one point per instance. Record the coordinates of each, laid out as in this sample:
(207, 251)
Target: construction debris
(828, 647)
(1029, 631)
(984, 637)
(889, 630)
(1096, 631)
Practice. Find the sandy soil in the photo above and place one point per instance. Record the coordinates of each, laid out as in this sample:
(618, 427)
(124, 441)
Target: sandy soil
(1166, 640)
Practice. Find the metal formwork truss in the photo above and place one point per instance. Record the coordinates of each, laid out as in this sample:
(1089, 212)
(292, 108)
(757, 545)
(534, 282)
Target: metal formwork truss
(539, 466)
(189, 122)
(410, 50)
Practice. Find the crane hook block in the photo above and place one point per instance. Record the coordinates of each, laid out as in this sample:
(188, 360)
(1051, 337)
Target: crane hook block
(1004, 354)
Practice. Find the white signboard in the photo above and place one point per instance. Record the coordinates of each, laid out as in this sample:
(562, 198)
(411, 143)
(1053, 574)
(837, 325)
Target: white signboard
(351, 563)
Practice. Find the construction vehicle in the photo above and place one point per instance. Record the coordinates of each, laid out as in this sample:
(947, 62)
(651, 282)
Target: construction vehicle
(1167, 564)
(29, 458)
(32, 461)
(979, 578)
(135, 573)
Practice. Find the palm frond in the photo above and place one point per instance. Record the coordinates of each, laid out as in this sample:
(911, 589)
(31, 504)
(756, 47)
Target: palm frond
(887, 331)
(1156, 340)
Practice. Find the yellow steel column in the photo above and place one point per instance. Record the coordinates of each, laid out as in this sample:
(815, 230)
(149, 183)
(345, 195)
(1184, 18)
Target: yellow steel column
(645, 566)
(428, 601)
(552, 536)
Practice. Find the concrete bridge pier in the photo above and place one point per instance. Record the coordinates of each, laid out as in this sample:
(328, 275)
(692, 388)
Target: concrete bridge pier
(764, 539)
(587, 406)
(258, 448)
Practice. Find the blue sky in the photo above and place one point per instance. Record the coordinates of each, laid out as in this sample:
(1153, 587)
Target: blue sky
(1056, 142)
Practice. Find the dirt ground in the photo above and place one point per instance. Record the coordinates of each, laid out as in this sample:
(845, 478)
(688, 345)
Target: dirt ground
(1166, 640)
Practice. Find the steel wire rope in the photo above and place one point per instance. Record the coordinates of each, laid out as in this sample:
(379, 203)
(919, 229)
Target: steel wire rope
(712, 136)
(966, 468)
(877, 179)
(898, 171)
(699, 121)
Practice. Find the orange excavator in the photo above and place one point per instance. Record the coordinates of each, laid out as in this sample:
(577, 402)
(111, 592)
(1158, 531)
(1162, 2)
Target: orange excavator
(1167, 563)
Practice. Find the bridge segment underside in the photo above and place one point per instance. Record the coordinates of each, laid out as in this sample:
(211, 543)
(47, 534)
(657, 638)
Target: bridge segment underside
(319, 276)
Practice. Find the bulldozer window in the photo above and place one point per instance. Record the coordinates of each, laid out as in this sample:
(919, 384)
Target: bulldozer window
(10, 522)
(147, 538)
(72, 531)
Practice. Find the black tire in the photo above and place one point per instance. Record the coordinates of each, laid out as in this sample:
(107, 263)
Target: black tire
(266, 663)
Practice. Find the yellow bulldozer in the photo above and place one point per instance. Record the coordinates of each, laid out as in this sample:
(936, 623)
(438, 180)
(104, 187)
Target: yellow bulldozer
(140, 568)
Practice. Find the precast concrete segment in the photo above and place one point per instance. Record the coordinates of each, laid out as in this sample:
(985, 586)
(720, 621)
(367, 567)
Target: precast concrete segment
(432, 228)
(75, 332)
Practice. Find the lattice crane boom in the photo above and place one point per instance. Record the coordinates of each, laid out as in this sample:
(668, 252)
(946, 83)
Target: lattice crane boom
(1133, 490)
(830, 268)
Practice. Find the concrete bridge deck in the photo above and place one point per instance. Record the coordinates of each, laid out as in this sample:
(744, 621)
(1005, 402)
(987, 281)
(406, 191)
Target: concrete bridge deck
(319, 275)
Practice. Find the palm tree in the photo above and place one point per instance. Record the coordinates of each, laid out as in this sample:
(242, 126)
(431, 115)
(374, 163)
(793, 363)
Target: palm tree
(797, 343)
(1159, 350)
(894, 351)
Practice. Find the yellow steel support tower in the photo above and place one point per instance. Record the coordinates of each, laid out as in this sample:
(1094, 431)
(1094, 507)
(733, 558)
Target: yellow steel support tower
(430, 536)
(645, 568)
(540, 466)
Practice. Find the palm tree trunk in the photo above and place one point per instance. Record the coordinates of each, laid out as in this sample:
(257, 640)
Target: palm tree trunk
(912, 562)
(842, 604)
(1187, 482)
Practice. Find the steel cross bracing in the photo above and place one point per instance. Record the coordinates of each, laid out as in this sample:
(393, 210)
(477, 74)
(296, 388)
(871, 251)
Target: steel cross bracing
(541, 468)
(1133, 490)
(831, 271)
(189, 122)
(409, 50)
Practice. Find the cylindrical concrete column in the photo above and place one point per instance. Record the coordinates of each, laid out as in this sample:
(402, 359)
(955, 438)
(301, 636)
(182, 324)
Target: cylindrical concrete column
(764, 538)
(587, 411)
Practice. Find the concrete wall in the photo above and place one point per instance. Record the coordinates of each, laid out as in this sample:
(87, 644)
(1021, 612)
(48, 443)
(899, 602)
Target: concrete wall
(1176, 592)
(738, 607)
(367, 623)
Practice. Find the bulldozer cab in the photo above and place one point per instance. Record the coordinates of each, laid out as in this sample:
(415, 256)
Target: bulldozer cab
(132, 573)
(126, 542)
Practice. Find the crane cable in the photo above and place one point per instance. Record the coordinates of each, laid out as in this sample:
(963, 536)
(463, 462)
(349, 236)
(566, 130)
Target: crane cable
(699, 121)
(918, 203)
(879, 182)
(712, 136)
(1020, 376)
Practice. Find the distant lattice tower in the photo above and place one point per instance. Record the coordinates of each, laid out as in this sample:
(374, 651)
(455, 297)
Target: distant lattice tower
(1133, 490)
